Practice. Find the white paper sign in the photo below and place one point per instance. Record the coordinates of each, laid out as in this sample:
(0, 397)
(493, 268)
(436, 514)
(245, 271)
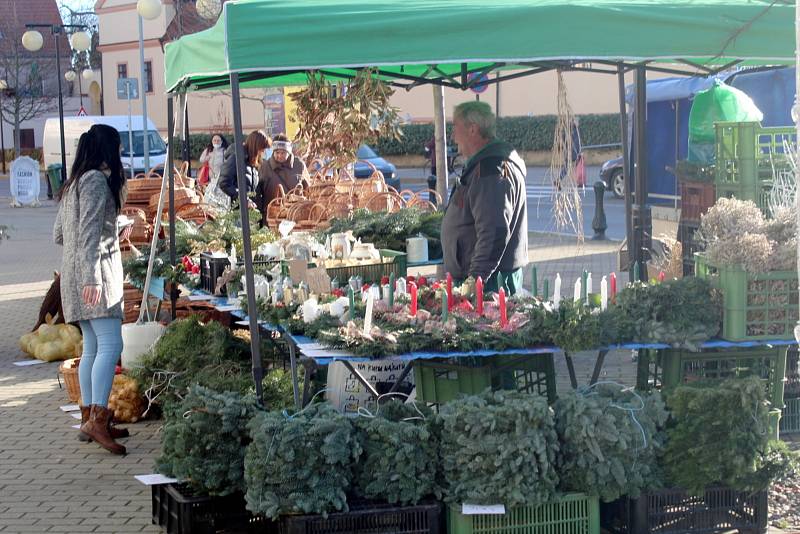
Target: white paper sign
(70, 408)
(152, 480)
(75, 415)
(478, 509)
(347, 393)
(25, 182)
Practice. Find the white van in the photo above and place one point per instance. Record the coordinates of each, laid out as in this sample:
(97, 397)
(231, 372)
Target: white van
(75, 126)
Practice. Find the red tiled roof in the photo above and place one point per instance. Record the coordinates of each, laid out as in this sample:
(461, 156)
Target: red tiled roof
(16, 14)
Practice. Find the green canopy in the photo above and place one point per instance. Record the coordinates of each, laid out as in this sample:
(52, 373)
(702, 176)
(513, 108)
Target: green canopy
(273, 42)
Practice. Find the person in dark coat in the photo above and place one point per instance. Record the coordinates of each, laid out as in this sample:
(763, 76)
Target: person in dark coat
(485, 226)
(254, 148)
(282, 169)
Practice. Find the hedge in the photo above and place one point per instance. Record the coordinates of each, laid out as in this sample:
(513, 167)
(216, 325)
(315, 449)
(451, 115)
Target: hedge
(524, 133)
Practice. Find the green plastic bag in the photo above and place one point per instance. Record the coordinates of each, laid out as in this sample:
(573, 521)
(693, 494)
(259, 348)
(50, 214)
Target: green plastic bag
(720, 103)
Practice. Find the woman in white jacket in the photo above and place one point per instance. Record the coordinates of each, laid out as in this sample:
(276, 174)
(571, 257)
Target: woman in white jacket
(214, 155)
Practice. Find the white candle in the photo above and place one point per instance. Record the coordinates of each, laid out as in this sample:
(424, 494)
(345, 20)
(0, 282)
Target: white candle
(368, 314)
(603, 294)
(588, 287)
(577, 292)
(557, 291)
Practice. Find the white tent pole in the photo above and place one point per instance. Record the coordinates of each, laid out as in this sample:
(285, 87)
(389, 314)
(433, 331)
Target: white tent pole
(440, 135)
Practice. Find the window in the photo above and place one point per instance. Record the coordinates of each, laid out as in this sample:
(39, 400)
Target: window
(26, 138)
(148, 76)
(122, 70)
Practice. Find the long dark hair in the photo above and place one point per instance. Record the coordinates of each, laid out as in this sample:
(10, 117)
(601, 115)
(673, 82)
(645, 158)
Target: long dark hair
(210, 145)
(98, 148)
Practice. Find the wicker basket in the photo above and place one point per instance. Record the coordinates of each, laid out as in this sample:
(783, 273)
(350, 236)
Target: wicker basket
(69, 371)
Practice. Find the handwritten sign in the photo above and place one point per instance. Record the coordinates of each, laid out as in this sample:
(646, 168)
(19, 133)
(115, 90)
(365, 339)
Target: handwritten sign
(319, 282)
(25, 182)
(347, 393)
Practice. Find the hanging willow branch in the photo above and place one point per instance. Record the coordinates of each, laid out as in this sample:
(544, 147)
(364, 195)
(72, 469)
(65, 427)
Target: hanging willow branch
(567, 208)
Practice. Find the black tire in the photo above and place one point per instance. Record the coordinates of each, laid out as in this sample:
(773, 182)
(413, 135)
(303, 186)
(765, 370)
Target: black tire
(617, 184)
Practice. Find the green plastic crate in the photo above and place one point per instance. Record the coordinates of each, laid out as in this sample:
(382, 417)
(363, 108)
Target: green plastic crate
(666, 369)
(747, 157)
(790, 417)
(391, 262)
(440, 381)
(574, 513)
(754, 306)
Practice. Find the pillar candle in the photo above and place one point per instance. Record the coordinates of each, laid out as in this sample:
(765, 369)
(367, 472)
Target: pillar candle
(534, 282)
(584, 277)
(412, 288)
(603, 294)
(352, 298)
(588, 289)
(503, 311)
(636, 276)
(578, 290)
(391, 290)
(401, 286)
(449, 279)
(545, 288)
(661, 276)
(445, 306)
(479, 295)
(499, 280)
(557, 291)
(368, 314)
(614, 287)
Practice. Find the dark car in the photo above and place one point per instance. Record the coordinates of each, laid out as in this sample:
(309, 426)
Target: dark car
(611, 174)
(363, 170)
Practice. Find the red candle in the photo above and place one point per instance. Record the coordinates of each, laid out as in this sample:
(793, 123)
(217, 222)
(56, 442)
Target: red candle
(479, 296)
(449, 292)
(613, 287)
(661, 276)
(412, 288)
(503, 312)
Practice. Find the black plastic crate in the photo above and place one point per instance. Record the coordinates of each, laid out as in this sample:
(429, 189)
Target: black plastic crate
(211, 268)
(423, 518)
(674, 511)
(690, 244)
(179, 511)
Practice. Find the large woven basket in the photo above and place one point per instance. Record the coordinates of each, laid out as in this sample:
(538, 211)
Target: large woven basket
(69, 371)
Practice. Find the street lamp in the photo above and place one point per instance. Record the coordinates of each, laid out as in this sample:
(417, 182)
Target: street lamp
(33, 41)
(147, 9)
(3, 89)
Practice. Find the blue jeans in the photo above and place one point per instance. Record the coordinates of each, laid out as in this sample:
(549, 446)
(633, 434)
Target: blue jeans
(102, 346)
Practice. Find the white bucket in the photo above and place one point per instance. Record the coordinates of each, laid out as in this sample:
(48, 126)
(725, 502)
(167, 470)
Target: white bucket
(137, 339)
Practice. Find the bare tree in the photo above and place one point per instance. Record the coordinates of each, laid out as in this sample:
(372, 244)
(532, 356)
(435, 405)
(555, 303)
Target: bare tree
(29, 78)
(82, 13)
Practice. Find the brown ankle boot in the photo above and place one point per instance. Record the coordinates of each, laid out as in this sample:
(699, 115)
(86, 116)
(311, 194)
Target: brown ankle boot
(115, 432)
(97, 429)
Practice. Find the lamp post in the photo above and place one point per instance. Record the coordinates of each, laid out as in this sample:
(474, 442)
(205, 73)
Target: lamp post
(150, 10)
(3, 89)
(32, 40)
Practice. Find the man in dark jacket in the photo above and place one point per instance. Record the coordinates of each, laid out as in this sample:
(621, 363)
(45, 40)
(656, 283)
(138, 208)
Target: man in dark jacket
(281, 169)
(485, 227)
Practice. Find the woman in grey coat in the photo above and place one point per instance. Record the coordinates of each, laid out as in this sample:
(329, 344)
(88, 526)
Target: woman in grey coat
(91, 273)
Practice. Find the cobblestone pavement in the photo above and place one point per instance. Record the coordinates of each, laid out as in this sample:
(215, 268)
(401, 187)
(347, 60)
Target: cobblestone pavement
(50, 482)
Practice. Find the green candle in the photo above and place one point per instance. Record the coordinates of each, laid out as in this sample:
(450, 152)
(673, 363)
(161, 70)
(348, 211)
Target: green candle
(584, 279)
(351, 296)
(444, 306)
(499, 280)
(545, 288)
(636, 272)
(391, 290)
(534, 283)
